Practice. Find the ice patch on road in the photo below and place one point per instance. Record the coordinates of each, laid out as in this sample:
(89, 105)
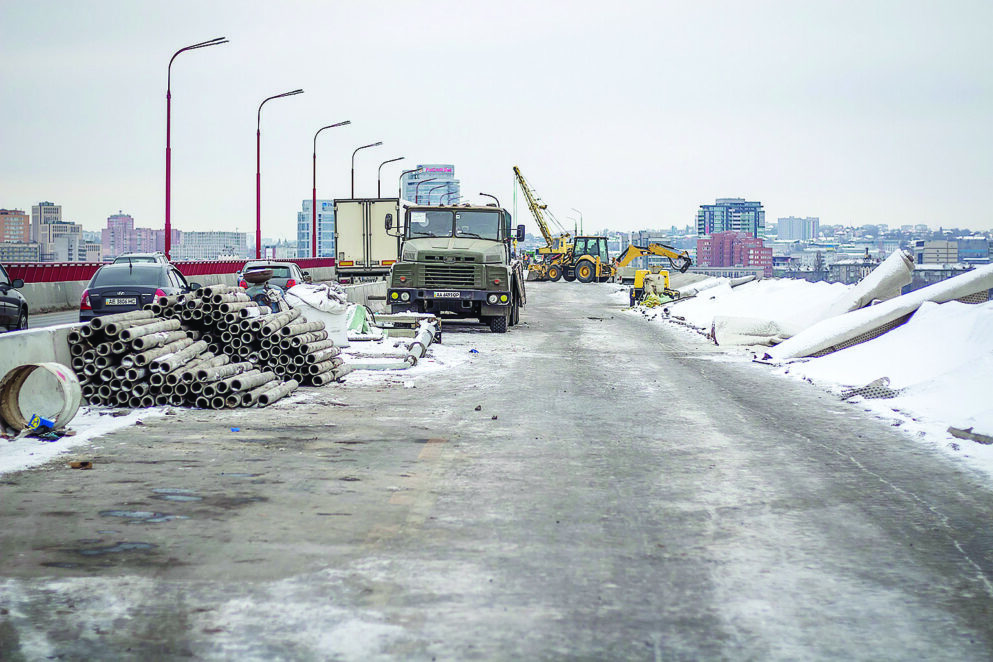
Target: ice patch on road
(89, 423)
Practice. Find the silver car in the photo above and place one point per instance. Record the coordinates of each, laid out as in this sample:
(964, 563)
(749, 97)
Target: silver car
(284, 274)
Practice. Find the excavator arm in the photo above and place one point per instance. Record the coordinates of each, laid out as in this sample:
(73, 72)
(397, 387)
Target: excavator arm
(679, 260)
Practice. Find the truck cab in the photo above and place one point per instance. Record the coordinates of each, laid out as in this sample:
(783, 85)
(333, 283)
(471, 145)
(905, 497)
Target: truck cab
(459, 261)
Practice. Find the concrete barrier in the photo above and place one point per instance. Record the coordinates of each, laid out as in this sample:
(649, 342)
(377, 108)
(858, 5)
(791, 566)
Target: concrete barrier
(361, 292)
(51, 297)
(50, 344)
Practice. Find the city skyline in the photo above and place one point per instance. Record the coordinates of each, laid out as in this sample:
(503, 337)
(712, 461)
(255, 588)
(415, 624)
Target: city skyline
(855, 113)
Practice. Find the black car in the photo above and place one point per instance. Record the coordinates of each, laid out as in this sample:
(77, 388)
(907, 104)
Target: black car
(13, 305)
(123, 287)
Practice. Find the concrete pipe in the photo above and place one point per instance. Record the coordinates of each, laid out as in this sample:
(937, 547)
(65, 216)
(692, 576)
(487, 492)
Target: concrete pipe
(280, 320)
(157, 340)
(98, 323)
(146, 357)
(298, 329)
(196, 388)
(90, 370)
(251, 397)
(74, 336)
(181, 389)
(156, 379)
(197, 314)
(123, 397)
(307, 338)
(90, 355)
(104, 391)
(49, 390)
(107, 374)
(104, 349)
(211, 290)
(269, 397)
(102, 362)
(220, 372)
(77, 349)
(234, 306)
(138, 331)
(119, 347)
(134, 402)
(140, 388)
(256, 311)
(226, 337)
(321, 355)
(233, 400)
(162, 399)
(218, 402)
(88, 390)
(284, 360)
(310, 347)
(135, 374)
(169, 363)
(229, 296)
(120, 372)
(78, 363)
(318, 368)
(147, 400)
(250, 380)
(169, 301)
(225, 386)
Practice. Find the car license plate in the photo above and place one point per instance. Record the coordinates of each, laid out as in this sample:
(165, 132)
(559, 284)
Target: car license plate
(121, 301)
(447, 295)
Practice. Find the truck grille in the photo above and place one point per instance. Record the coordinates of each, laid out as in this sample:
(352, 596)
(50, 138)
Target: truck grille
(449, 275)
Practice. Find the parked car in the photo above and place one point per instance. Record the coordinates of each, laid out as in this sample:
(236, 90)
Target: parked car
(157, 256)
(284, 274)
(13, 305)
(124, 286)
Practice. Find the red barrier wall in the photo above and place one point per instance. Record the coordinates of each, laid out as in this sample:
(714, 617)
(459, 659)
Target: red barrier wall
(54, 272)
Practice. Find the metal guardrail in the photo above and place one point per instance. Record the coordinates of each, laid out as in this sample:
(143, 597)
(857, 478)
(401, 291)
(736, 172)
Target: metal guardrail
(54, 272)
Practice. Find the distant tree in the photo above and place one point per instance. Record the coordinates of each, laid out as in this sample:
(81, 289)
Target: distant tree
(819, 262)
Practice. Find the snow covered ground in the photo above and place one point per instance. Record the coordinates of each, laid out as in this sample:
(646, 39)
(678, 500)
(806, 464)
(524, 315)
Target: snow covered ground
(940, 362)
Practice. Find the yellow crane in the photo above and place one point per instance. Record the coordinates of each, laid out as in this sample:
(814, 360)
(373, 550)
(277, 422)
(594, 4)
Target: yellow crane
(556, 248)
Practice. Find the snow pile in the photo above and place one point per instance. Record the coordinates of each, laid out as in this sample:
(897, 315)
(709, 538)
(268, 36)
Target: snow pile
(940, 363)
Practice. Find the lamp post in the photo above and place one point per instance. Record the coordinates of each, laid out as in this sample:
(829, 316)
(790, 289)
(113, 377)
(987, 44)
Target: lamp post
(353, 162)
(449, 196)
(216, 41)
(580, 219)
(491, 196)
(417, 189)
(258, 170)
(313, 231)
(400, 179)
(435, 188)
(379, 174)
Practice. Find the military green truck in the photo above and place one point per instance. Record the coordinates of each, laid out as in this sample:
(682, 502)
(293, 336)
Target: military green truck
(458, 261)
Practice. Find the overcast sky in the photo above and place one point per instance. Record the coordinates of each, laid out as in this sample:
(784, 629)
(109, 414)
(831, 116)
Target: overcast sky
(634, 113)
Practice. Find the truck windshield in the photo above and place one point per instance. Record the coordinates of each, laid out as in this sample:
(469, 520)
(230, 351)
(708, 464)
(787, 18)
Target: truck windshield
(468, 223)
(430, 224)
(479, 224)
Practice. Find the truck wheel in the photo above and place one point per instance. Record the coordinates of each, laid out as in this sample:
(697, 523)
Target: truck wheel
(569, 277)
(515, 312)
(586, 271)
(554, 272)
(498, 324)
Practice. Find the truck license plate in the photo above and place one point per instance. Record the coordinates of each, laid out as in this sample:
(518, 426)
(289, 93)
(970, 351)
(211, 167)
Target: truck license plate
(121, 301)
(447, 295)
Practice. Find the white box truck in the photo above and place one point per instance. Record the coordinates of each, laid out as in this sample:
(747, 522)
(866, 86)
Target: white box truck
(362, 245)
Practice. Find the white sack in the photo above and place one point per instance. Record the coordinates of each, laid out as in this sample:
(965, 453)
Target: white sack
(322, 302)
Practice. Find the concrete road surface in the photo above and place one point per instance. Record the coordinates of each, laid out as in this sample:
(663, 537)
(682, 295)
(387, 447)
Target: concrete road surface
(41, 320)
(587, 486)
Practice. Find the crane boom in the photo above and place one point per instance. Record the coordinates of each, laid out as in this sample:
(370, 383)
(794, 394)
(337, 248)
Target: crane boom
(535, 207)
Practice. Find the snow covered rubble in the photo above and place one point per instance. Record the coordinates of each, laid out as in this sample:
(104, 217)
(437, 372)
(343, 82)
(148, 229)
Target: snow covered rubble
(939, 364)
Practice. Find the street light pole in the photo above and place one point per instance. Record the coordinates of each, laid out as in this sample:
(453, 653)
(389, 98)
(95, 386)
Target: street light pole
(491, 196)
(400, 179)
(258, 170)
(379, 174)
(313, 230)
(417, 189)
(216, 41)
(435, 188)
(353, 162)
(580, 219)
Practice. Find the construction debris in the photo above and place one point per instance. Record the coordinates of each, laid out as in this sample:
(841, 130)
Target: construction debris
(213, 348)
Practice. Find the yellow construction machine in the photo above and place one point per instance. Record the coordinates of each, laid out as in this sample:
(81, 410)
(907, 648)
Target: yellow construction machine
(551, 255)
(655, 280)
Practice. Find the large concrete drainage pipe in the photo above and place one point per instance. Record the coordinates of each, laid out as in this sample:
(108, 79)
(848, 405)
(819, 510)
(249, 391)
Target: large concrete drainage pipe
(49, 390)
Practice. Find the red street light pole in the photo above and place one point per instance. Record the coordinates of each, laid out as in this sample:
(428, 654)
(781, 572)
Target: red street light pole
(353, 162)
(258, 171)
(216, 41)
(313, 231)
(379, 174)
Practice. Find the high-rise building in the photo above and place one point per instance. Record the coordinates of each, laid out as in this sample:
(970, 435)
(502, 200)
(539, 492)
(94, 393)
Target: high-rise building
(733, 249)
(325, 228)
(211, 246)
(15, 225)
(731, 215)
(792, 228)
(19, 251)
(116, 237)
(73, 248)
(52, 233)
(443, 187)
(42, 214)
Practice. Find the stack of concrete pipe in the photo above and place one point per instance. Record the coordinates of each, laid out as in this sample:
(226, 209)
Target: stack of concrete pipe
(213, 348)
